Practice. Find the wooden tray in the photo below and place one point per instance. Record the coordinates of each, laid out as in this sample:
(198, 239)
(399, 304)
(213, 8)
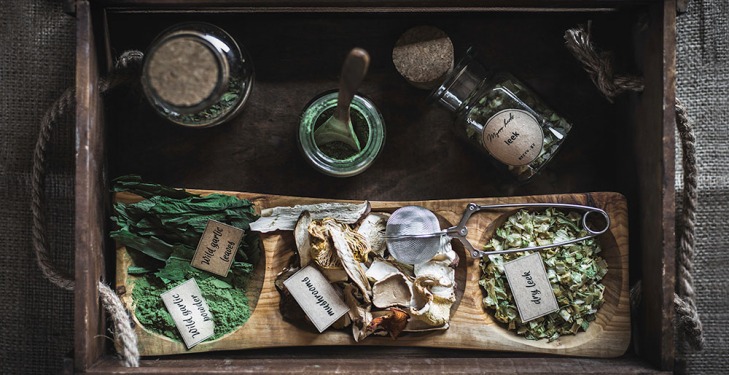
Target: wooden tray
(626, 146)
(471, 325)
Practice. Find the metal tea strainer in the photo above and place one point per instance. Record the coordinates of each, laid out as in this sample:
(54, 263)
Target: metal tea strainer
(414, 236)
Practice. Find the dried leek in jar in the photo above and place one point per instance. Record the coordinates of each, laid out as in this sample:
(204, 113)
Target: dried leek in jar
(500, 116)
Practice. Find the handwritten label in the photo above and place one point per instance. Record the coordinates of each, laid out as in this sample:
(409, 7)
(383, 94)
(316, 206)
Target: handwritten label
(190, 312)
(317, 298)
(530, 286)
(217, 247)
(513, 136)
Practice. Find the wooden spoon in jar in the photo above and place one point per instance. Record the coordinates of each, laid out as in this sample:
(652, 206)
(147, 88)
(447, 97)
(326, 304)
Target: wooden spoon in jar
(339, 126)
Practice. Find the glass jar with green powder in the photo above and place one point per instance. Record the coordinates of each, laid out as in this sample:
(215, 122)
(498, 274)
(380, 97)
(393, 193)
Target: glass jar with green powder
(196, 75)
(336, 158)
(502, 117)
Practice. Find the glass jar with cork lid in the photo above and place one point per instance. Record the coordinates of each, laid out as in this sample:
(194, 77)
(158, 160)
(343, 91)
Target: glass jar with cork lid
(196, 75)
(502, 117)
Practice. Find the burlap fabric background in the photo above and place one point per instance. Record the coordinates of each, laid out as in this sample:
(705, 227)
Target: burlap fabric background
(37, 44)
(703, 85)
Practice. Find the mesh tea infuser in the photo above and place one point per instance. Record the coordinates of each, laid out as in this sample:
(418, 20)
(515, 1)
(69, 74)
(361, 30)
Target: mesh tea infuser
(413, 233)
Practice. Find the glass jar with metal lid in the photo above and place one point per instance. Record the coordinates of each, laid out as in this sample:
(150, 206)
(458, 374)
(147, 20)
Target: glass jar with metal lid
(196, 75)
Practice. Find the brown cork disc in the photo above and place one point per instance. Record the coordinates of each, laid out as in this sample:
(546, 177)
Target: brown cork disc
(183, 72)
(423, 55)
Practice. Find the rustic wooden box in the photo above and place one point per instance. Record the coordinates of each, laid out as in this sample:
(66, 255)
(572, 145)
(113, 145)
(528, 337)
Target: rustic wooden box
(297, 47)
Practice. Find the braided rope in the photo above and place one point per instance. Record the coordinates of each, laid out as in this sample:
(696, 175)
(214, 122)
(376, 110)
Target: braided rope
(40, 243)
(124, 336)
(599, 67)
(685, 300)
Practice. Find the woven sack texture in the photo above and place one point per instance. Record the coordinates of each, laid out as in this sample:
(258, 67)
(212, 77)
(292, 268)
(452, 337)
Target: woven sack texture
(703, 86)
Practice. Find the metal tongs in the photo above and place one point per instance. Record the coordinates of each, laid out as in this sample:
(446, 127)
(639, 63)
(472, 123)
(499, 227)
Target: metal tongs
(460, 231)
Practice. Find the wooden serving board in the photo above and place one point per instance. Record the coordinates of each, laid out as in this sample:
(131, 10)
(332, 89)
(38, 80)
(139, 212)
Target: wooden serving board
(472, 327)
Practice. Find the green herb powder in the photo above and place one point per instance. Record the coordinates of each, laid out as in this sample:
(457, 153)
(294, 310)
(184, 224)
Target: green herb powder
(340, 150)
(161, 234)
(574, 271)
(228, 304)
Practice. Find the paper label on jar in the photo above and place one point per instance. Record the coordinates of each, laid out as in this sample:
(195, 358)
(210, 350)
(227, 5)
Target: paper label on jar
(217, 247)
(530, 287)
(190, 312)
(513, 137)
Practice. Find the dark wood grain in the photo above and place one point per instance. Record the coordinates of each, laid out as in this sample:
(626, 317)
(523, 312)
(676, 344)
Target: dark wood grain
(423, 157)
(369, 5)
(90, 194)
(653, 143)
(373, 361)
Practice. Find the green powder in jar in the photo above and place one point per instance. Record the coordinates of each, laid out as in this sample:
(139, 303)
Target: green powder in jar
(340, 150)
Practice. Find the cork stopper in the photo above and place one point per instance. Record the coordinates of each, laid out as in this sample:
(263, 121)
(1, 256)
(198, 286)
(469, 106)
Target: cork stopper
(183, 72)
(423, 55)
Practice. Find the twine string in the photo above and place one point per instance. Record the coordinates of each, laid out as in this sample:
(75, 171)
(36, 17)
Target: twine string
(599, 67)
(685, 299)
(40, 244)
(124, 336)
(125, 70)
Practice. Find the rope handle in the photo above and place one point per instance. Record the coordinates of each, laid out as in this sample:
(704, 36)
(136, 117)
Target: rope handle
(599, 67)
(124, 336)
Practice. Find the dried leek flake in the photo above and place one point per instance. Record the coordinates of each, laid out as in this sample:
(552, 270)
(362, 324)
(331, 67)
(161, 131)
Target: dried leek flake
(161, 233)
(574, 270)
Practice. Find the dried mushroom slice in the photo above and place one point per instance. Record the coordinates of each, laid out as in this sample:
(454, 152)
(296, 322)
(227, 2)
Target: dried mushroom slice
(434, 291)
(303, 239)
(440, 270)
(372, 228)
(359, 312)
(347, 245)
(432, 301)
(388, 322)
(285, 218)
(378, 290)
(380, 269)
(316, 244)
(394, 290)
(322, 249)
